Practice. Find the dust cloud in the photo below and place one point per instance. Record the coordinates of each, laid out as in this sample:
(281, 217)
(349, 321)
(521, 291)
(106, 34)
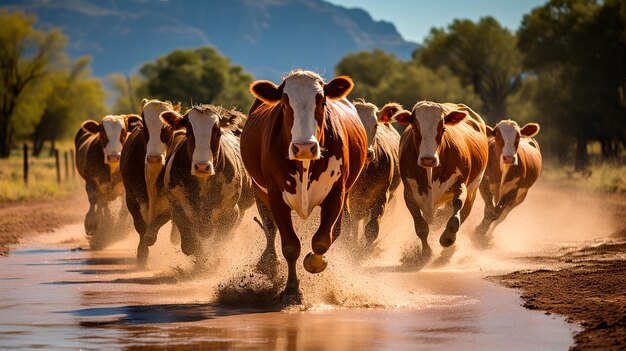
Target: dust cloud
(549, 222)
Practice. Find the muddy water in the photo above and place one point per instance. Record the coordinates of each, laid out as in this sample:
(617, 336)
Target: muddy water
(53, 296)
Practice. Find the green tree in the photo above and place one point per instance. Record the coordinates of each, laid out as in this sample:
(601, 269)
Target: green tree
(200, 75)
(26, 57)
(74, 96)
(583, 44)
(380, 78)
(368, 69)
(483, 55)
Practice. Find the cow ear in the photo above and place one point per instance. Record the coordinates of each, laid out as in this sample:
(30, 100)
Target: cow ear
(386, 113)
(132, 121)
(173, 119)
(490, 132)
(177, 107)
(266, 91)
(530, 129)
(338, 88)
(454, 117)
(90, 126)
(144, 102)
(403, 117)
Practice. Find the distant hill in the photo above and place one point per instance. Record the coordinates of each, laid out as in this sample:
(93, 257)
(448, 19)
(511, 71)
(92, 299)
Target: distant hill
(267, 37)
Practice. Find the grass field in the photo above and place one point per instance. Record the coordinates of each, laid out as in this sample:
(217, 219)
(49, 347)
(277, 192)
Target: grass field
(42, 182)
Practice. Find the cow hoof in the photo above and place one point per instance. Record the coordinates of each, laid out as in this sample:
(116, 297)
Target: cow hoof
(447, 239)
(314, 263)
(291, 298)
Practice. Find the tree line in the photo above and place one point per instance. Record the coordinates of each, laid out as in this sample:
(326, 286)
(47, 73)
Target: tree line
(564, 68)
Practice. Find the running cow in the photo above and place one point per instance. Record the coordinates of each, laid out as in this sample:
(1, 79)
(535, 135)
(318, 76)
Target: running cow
(381, 175)
(98, 148)
(514, 166)
(207, 186)
(304, 146)
(142, 163)
(443, 155)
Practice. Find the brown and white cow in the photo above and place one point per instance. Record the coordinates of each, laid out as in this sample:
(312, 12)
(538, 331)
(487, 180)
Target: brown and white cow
(514, 166)
(381, 175)
(207, 185)
(98, 149)
(142, 164)
(304, 146)
(443, 155)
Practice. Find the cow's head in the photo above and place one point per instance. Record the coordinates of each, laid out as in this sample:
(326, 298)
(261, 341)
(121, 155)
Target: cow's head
(429, 120)
(112, 132)
(155, 133)
(507, 135)
(371, 117)
(303, 96)
(205, 125)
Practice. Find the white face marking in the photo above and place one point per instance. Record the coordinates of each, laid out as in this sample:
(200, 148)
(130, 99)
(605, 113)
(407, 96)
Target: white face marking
(151, 112)
(308, 196)
(113, 127)
(301, 90)
(509, 131)
(367, 114)
(202, 123)
(428, 116)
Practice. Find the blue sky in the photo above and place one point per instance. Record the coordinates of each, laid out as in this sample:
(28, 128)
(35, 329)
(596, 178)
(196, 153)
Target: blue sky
(414, 18)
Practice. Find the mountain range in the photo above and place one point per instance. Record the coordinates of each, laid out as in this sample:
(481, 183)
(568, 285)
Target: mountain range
(267, 37)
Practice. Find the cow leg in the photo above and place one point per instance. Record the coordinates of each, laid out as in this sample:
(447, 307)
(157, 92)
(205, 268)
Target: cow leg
(185, 228)
(330, 220)
(373, 225)
(91, 219)
(506, 202)
(479, 236)
(140, 227)
(421, 226)
(290, 246)
(269, 260)
(454, 223)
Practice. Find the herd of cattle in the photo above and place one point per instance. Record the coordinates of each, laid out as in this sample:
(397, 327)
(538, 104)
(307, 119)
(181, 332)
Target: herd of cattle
(302, 145)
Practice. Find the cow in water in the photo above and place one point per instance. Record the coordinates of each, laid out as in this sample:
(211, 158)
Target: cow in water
(381, 175)
(98, 149)
(304, 146)
(142, 164)
(207, 186)
(443, 155)
(514, 166)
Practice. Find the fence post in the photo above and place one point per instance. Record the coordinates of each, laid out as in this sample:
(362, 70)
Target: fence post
(25, 164)
(58, 165)
(67, 165)
(73, 166)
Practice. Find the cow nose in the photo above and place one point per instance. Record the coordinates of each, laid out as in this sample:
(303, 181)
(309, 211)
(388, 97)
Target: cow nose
(306, 151)
(154, 159)
(509, 160)
(113, 158)
(203, 168)
(427, 161)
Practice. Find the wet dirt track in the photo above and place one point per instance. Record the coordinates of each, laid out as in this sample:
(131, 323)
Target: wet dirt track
(56, 298)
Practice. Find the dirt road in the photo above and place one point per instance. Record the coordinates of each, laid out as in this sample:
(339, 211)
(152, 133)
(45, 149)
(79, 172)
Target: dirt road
(566, 248)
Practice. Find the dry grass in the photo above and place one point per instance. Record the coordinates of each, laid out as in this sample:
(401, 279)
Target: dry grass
(42, 182)
(601, 177)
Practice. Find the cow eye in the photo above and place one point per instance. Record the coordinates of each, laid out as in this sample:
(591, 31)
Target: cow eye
(443, 129)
